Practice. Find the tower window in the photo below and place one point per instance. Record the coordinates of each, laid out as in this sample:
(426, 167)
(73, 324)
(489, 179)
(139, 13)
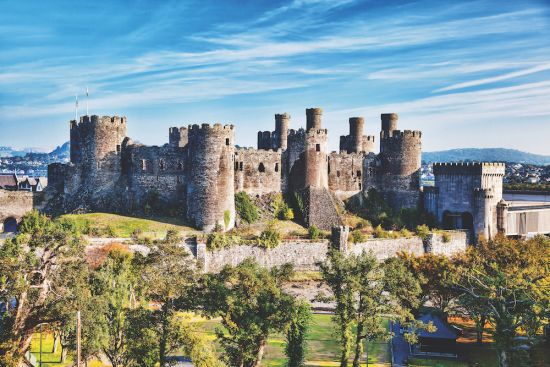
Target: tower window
(261, 167)
(180, 166)
(162, 165)
(358, 173)
(276, 167)
(227, 141)
(236, 166)
(337, 173)
(240, 166)
(144, 165)
(118, 148)
(318, 147)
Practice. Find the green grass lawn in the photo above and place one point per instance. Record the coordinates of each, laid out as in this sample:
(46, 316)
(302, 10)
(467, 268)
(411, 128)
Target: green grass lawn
(49, 359)
(113, 225)
(322, 349)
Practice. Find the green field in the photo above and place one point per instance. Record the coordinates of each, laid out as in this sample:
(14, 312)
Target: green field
(323, 350)
(114, 225)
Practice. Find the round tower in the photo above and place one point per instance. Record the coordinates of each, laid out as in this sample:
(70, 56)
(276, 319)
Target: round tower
(96, 139)
(316, 164)
(210, 188)
(282, 121)
(356, 127)
(313, 118)
(389, 122)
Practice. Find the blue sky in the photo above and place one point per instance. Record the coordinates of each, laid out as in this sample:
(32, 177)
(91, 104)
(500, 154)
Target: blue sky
(466, 73)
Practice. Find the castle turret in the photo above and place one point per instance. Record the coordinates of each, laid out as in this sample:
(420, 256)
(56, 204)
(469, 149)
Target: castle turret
(210, 188)
(313, 118)
(397, 175)
(282, 121)
(178, 137)
(389, 122)
(356, 127)
(95, 138)
(316, 159)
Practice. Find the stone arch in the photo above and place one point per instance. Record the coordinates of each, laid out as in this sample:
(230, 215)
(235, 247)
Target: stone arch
(9, 225)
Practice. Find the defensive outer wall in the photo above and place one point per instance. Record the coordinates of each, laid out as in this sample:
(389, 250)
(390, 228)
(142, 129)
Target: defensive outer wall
(14, 204)
(304, 254)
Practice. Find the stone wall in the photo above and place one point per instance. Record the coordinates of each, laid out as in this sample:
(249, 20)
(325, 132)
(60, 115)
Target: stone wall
(257, 172)
(345, 171)
(14, 204)
(303, 254)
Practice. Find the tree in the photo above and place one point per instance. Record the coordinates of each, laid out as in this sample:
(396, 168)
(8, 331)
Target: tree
(36, 270)
(503, 277)
(437, 274)
(363, 291)
(296, 332)
(251, 304)
(167, 277)
(113, 286)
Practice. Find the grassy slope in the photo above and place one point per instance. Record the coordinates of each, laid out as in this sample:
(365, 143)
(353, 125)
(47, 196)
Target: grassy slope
(124, 226)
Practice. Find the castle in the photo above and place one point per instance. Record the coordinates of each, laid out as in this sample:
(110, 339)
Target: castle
(199, 170)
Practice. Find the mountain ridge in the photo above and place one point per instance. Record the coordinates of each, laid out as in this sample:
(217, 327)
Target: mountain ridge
(485, 155)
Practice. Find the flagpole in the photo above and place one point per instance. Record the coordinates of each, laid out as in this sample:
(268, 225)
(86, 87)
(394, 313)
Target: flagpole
(87, 95)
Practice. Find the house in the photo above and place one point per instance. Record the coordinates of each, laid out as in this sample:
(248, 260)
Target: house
(440, 342)
(32, 184)
(8, 182)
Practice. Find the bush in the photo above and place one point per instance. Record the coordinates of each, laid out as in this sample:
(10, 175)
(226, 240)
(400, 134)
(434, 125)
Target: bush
(281, 210)
(406, 233)
(423, 231)
(446, 237)
(357, 236)
(270, 237)
(314, 233)
(172, 237)
(246, 209)
(218, 241)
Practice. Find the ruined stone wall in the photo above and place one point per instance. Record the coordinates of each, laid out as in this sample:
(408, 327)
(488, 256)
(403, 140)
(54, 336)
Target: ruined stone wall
(345, 173)
(257, 172)
(15, 204)
(211, 175)
(178, 136)
(319, 208)
(153, 171)
(293, 166)
(304, 254)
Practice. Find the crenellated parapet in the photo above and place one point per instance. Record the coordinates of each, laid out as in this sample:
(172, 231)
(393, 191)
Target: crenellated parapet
(178, 136)
(469, 168)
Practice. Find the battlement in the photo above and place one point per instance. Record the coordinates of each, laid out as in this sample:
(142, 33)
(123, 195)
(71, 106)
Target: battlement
(398, 134)
(95, 119)
(483, 193)
(369, 138)
(469, 168)
(344, 154)
(300, 133)
(208, 127)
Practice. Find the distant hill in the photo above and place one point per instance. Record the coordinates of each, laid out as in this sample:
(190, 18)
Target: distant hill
(485, 154)
(62, 152)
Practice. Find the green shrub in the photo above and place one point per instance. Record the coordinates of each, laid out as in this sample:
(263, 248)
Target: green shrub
(137, 233)
(270, 237)
(406, 233)
(172, 237)
(357, 236)
(218, 241)
(226, 218)
(423, 231)
(314, 233)
(281, 210)
(245, 208)
(379, 232)
(446, 237)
